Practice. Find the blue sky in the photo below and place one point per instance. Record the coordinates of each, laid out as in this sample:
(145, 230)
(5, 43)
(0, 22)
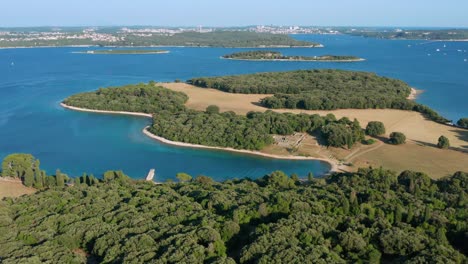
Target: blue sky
(445, 13)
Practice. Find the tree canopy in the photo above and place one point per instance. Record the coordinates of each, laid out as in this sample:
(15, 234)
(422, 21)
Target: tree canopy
(143, 98)
(321, 90)
(372, 215)
(375, 128)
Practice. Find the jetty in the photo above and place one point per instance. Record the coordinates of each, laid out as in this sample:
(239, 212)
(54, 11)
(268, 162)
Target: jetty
(150, 175)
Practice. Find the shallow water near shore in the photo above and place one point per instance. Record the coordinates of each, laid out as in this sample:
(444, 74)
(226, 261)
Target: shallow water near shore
(34, 81)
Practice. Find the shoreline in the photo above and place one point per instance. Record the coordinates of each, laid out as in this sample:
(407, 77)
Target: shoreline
(104, 111)
(301, 60)
(414, 94)
(110, 53)
(333, 165)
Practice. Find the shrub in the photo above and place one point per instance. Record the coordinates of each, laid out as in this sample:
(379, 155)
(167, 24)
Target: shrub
(397, 138)
(375, 128)
(369, 141)
(212, 109)
(443, 142)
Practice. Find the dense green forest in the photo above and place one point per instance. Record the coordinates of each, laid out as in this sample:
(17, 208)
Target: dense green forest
(252, 131)
(370, 216)
(143, 98)
(173, 121)
(321, 90)
(192, 39)
(275, 55)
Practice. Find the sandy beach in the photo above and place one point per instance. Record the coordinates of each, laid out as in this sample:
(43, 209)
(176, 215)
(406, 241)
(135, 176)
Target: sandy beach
(333, 164)
(414, 94)
(105, 112)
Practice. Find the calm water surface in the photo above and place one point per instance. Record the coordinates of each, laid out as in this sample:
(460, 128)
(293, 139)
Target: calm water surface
(34, 81)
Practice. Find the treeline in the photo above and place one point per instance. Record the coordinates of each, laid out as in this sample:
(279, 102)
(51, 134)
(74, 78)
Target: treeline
(322, 90)
(370, 216)
(143, 98)
(295, 82)
(275, 55)
(26, 168)
(252, 131)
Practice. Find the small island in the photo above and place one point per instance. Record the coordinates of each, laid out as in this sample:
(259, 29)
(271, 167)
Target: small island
(265, 55)
(124, 52)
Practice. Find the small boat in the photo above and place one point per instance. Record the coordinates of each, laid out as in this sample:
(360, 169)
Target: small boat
(12, 64)
(428, 54)
(437, 50)
(445, 46)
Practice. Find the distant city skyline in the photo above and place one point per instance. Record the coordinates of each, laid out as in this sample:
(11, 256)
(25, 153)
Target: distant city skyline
(372, 13)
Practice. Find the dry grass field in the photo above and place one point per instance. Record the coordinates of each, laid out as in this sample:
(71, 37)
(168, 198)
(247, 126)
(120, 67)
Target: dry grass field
(418, 154)
(13, 189)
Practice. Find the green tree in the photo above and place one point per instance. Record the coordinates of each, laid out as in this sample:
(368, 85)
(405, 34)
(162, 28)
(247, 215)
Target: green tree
(59, 178)
(398, 214)
(375, 128)
(443, 142)
(397, 138)
(29, 178)
(310, 176)
(16, 165)
(183, 177)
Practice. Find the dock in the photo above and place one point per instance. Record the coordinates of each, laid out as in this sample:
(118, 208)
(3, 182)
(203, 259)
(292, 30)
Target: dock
(150, 175)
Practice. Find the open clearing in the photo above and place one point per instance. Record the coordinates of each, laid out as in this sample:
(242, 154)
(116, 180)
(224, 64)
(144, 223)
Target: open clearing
(12, 188)
(418, 154)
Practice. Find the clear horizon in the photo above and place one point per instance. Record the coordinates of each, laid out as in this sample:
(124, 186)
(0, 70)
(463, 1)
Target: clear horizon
(210, 13)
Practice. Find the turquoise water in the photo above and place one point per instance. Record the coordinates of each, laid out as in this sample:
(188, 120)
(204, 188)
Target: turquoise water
(32, 121)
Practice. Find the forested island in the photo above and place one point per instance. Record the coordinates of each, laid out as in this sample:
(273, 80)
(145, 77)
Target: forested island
(125, 39)
(264, 55)
(321, 90)
(124, 52)
(373, 215)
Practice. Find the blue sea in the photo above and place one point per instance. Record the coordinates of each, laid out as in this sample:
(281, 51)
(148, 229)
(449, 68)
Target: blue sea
(34, 81)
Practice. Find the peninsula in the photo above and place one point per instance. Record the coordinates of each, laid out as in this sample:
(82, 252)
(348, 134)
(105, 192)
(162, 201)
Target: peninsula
(124, 52)
(184, 115)
(265, 55)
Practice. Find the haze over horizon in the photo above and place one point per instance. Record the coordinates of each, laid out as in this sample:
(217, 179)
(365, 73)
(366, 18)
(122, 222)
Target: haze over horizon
(372, 13)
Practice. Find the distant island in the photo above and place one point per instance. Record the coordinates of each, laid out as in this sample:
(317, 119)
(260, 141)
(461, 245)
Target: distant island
(228, 39)
(123, 52)
(266, 55)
